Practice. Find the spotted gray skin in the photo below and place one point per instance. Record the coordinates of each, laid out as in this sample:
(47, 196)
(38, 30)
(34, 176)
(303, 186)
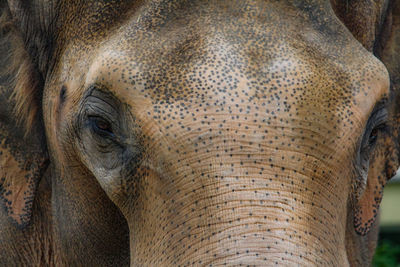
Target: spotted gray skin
(195, 132)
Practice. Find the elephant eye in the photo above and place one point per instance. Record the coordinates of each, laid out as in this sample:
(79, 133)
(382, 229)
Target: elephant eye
(373, 137)
(375, 127)
(101, 126)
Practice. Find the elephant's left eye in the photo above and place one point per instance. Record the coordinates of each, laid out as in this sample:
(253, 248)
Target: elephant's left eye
(373, 136)
(376, 125)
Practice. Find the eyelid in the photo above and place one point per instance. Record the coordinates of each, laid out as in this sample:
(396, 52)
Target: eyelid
(379, 114)
(382, 116)
(100, 113)
(379, 106)
(94, 107)
(97, 98)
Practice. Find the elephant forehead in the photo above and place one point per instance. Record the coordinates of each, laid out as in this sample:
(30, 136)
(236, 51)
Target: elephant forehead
(276, 62)
(215, 72)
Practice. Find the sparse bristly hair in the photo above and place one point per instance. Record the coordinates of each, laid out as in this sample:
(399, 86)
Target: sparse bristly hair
(22, 73)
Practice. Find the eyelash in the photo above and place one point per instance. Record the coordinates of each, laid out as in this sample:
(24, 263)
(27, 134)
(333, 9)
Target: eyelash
(374, 135)
(379, 128)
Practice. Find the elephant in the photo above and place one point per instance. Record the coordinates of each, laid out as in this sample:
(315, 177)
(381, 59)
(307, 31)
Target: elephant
(205, 133)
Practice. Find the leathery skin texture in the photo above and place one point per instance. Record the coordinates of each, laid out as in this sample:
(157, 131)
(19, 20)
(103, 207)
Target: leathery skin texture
(200, 133)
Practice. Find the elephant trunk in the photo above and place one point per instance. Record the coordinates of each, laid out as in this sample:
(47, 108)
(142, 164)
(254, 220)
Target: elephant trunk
(241, 210)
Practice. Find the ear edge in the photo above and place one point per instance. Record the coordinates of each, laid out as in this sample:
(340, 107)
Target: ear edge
(21, 213)
(23, 152)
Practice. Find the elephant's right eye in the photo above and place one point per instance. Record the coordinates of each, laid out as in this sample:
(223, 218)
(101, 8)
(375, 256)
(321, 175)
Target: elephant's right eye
(101, 126)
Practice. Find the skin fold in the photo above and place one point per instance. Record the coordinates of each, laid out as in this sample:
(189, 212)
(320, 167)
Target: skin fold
(177, 133)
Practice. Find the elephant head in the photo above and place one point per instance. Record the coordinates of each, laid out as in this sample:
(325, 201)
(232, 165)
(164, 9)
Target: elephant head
(197, 132)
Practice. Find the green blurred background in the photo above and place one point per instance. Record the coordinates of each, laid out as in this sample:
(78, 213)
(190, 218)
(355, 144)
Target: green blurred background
(388, 250)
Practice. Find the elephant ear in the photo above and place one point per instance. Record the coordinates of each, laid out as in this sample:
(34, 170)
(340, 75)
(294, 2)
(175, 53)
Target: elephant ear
(376, 25)
(23, 152)
(23, 159)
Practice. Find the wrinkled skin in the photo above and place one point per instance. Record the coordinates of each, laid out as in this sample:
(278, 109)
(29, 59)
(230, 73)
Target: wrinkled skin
(197, 133)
